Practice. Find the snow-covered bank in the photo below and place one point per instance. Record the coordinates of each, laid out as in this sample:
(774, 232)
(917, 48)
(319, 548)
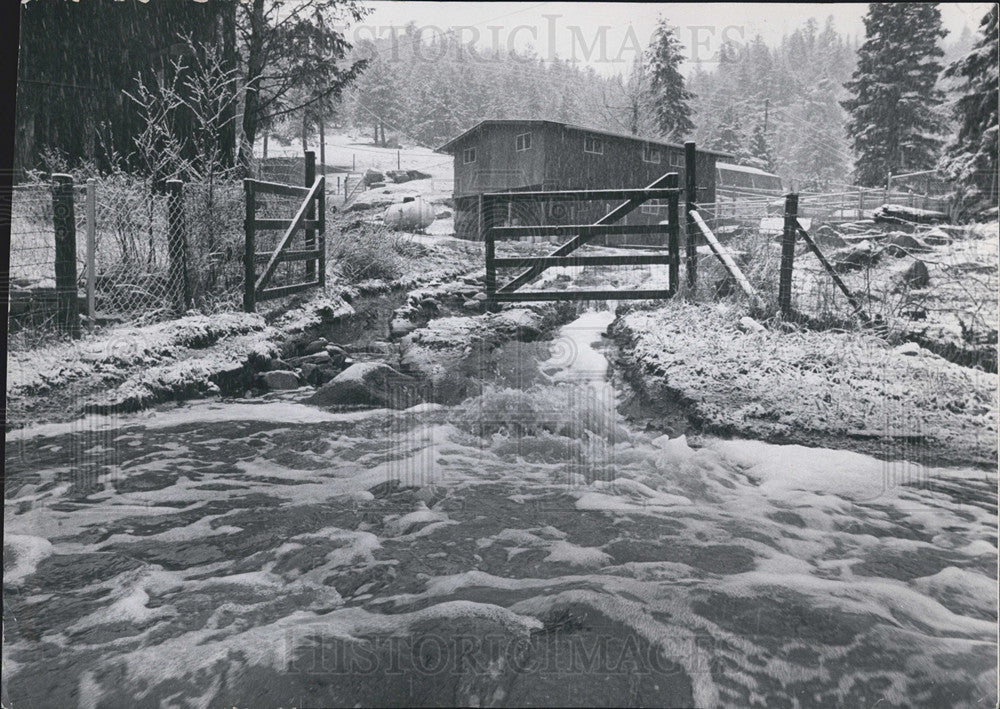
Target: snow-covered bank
(847, 390)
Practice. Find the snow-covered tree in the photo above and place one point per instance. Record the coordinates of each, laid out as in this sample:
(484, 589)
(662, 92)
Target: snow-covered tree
(894, 119)
(760, 149)
(671, 98)
(971, 159)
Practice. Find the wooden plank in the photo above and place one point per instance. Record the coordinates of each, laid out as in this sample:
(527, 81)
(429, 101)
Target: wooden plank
(723, 255)
(587, 229)
(833, 274)
(283, 224)
(287, 238)
(550, 261)
(262, 187)
(523, 296)
(289, 255)
(643, 193)
(576, 242)
(279, 291)
(249, 227)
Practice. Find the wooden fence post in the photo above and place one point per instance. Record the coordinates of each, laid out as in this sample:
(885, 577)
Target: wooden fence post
(486, 221)
(64, 221)
(91, 253)
(249, 268)
(788, 254)
(311, 214)
(177, 245)
(321, 245)
(674, 231)
(690, 198)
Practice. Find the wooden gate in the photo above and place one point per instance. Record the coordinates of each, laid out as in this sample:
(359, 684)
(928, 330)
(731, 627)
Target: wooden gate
(492, 204)
(310, 218)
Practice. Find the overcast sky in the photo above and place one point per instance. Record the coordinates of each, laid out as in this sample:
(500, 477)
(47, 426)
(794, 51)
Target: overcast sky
(608, 35)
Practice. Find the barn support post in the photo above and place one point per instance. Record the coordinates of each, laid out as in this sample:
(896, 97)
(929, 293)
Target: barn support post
(64, 222)
(674, 231)
(177, 245)
(690, 199)
(249, 270)
(788, 254)
(310, 214)
(91, 253)
(486, 208)
(321, 245)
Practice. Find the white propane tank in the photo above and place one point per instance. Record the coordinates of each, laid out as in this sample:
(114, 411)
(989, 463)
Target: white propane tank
(414, 215)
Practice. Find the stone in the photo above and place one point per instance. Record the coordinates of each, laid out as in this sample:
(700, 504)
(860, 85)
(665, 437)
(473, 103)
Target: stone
(910, 349)
(430, 304)
(367, 384)
(937, 237)
(826, 235)
(914, 275)
(321, 357)
(855, 257)
(316, 346)
(748, 324)
(280, 379)
(900, 244)
(337, 354)
(400, 327)
(471, 304)
(443, 214)
(479, 296)
(373, 177)
(311, 373)
(278, 364)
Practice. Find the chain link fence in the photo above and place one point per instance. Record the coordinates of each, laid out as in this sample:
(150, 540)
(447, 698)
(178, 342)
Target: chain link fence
(156, 251)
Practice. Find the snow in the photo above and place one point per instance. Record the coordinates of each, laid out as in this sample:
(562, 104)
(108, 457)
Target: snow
(27, 552)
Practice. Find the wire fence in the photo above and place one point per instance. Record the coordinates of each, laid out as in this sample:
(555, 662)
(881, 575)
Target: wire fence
(155, 250)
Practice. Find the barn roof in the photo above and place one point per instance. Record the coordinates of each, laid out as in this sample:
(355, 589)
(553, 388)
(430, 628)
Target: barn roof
(450, 146)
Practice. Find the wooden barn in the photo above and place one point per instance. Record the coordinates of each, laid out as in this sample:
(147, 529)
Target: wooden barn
(501, 155)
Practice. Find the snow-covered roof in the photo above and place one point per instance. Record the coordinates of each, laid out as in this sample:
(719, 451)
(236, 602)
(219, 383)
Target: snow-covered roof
(743, 168)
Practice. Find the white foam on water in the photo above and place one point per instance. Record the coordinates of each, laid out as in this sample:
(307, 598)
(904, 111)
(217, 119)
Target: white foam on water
(579, 556)
(28, 551)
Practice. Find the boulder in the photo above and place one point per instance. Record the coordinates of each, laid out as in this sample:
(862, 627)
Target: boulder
(471, 304)
(443, 214)
(337, 354)
(937, 237)
(311, 373)
(901, 244)
(320, 358)
(316, 346)
(913, 274)
(748, 324)
(400, 327)
(856, 257)
(372, 177)
(280, 379)
(367, 384)
(909, 349)
(277, 364)
(826, 235)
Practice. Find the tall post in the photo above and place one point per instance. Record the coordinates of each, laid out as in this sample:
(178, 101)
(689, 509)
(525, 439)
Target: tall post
(64, 221)
(310, 214)
(690, 200)
(788, 254)
(91, 252)
(321, 201)
(177, 245)
(249, 268)
(486, 221)
(397, 161)
(674, 231)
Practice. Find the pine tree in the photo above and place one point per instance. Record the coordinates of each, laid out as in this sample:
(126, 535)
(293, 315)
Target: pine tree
(971, 159)
(670, 97)
(760, 149)
(728, 139)
(894, 122)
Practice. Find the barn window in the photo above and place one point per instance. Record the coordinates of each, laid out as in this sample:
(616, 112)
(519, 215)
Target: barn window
(593, 145)
(676, 160)
(468, 155)
(523, 141)
(651, 154)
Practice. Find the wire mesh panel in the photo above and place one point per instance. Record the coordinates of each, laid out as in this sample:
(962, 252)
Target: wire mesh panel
(32, 315)
(213, 223)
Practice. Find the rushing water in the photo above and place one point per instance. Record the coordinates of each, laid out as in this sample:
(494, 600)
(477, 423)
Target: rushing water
(269, 553)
